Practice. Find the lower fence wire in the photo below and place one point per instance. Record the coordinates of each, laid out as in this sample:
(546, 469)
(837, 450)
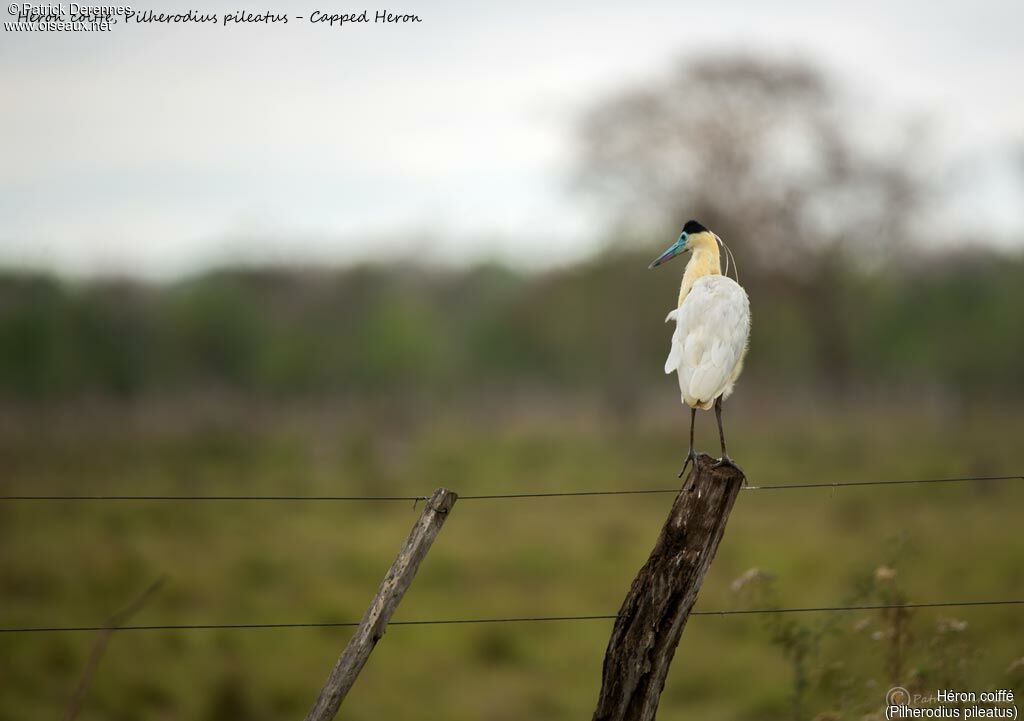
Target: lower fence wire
(516, 619)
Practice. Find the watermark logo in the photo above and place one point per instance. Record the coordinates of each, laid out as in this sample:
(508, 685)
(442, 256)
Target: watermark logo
(950, 704)
(897, 696)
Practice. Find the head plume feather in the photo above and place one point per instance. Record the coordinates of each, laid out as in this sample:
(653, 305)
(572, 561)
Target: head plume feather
(730, 259)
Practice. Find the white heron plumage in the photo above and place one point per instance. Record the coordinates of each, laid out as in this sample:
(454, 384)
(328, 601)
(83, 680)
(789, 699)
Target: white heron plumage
(712, 318)
(710, 340)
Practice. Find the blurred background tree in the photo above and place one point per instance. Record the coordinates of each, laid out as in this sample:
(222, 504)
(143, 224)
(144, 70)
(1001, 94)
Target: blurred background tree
(764, 153)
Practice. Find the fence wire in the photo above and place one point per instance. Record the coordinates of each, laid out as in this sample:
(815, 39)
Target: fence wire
(509, 619)
(498, 496)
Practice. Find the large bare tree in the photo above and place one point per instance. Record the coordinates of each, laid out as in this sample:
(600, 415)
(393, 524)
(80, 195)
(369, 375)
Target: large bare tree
(768, 154)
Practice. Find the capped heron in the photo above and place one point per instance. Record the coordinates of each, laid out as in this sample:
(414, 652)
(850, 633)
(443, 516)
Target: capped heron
(712, 328)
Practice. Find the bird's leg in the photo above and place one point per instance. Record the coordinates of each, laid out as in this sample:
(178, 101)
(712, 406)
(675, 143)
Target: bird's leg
(724, 460)
(721, 432)
(691, 457)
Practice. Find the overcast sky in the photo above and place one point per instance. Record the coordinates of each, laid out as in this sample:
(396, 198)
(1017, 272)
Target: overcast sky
(158, 150)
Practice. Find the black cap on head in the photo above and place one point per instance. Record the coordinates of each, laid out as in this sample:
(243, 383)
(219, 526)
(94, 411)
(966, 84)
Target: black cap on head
(692, 227)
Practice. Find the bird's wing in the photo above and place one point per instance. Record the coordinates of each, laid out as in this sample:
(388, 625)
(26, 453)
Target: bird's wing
(676, 349)
(712, 328)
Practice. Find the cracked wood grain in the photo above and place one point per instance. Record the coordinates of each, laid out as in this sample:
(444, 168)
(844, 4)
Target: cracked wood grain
(651, 620)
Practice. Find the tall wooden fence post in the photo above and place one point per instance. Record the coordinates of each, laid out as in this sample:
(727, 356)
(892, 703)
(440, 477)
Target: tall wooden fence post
(392, 588)
(659, 602)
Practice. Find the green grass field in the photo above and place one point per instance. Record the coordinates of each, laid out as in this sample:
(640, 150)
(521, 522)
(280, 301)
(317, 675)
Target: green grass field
(236, 562)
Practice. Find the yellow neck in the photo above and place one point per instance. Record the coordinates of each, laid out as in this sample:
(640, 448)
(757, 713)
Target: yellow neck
(705, 261)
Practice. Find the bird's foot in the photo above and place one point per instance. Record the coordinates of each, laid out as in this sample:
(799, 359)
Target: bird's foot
(726, 462)
(691, 459)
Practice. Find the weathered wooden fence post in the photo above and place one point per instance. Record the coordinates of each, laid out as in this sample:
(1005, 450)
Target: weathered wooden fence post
(654, 613)
(392, 588)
